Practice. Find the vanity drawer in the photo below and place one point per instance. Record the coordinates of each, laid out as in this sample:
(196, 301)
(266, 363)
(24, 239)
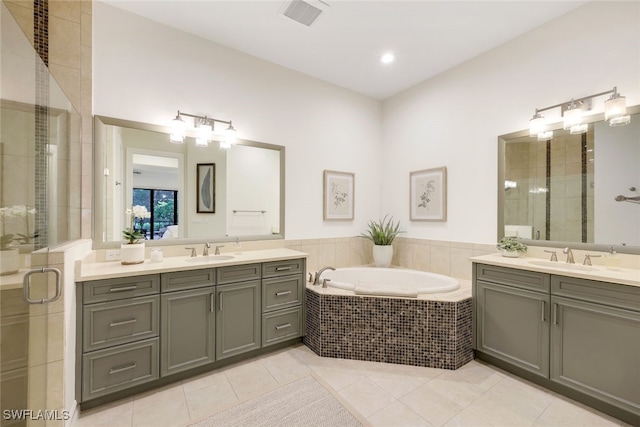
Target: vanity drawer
(181, 280)
(620, 296)
(119, 288)
(237, 273)
(281, 292)
(119, 322)
(522, 279)
(118, 368)
(281, 325)
(279, 268)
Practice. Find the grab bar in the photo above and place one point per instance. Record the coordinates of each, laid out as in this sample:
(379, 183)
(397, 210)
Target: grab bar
(240, 210)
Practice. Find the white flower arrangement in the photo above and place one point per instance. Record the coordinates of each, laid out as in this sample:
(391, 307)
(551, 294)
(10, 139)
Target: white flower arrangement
(131, 235)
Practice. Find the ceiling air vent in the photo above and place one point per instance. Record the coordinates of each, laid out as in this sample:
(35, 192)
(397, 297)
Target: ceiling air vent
(304, 12)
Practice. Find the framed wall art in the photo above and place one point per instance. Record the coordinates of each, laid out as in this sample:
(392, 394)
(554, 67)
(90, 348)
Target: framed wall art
(428, 195)
(206, 188)
(338, 195)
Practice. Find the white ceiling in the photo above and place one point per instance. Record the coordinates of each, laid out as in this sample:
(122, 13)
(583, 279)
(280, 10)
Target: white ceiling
(345, 44)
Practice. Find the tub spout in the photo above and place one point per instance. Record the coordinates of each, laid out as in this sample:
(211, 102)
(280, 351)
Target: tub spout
(316, 281)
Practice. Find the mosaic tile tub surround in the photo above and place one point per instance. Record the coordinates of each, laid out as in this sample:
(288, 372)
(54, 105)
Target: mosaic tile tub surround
(419, 332)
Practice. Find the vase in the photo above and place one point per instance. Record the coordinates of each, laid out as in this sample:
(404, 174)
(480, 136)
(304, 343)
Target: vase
(382, 255)
(510, 254)
(9, 261)
(132, 253)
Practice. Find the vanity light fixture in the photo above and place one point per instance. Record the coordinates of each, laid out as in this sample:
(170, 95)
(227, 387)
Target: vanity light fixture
(615, 113)
(205, 128)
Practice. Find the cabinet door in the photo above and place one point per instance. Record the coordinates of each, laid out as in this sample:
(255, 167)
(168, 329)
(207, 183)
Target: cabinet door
(238, 318)
(596, 350)
(513, 325)
(188, 327)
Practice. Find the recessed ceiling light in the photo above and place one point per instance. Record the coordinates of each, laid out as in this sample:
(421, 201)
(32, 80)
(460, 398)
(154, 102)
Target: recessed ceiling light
(387, 58)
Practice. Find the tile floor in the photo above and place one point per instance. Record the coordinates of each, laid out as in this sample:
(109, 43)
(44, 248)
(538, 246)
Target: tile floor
(384, 394)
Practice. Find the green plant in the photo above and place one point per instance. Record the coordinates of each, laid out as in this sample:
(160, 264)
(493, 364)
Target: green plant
(382, 232)
(511, 244)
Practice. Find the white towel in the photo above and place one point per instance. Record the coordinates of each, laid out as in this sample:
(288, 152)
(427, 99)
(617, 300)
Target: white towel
(386, 290)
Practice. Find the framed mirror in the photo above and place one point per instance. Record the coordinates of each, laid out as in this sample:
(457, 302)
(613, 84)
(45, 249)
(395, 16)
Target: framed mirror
(193, 194)
(572, 190)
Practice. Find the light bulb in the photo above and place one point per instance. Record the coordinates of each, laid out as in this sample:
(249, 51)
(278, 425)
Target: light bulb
(178, 128)
(536, 125)
(230, 135)
(572, 117)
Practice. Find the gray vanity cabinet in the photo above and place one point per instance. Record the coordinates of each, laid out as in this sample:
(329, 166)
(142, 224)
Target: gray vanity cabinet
(512, 317)
(595, 348)
(118, 338)
(575, 336)
(237, 318)
(238, 304)
(282, 300)
(188, 329)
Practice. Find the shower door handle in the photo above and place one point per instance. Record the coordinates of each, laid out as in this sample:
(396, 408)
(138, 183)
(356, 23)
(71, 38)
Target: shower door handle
(26, 285)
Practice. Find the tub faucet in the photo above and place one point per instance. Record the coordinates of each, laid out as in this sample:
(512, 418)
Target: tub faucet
(569, 254)
(316, 281)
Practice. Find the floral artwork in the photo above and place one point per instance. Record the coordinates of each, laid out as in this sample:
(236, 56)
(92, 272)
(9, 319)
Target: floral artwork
(338, 195)
(428, 195)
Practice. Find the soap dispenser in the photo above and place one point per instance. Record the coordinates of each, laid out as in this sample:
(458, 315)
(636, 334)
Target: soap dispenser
(612, 259)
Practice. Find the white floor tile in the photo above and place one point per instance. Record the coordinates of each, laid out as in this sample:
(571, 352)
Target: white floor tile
(477, 395)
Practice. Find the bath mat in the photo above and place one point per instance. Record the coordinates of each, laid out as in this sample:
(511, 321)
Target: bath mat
(304, 402)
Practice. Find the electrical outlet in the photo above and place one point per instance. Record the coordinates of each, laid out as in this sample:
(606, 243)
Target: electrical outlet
(113, 254)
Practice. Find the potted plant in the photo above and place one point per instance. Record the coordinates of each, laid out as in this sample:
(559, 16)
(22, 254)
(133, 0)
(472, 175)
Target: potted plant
(511, 247)
(382, 233)
(133, 247)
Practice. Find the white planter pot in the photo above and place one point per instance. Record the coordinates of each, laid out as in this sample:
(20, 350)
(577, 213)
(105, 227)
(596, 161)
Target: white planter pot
(132, 254)
(382, 255)
(510, 254)
(9, 261)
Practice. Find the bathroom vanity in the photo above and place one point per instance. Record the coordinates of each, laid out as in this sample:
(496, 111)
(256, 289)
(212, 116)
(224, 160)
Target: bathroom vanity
(573, 329)
(142, 326)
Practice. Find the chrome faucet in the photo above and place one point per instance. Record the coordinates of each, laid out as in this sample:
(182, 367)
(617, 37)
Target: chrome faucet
(569, 254)
(316, 281)
(217, 251)
(205, 250)
(193, 251)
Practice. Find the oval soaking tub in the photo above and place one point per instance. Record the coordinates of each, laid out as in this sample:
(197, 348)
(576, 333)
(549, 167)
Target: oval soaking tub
(389, 281)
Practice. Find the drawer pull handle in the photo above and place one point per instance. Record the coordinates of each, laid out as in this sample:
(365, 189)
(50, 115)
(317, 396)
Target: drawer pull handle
(122, 369)
(279, 294)
(283, 268)
(124, 322)
(542, 307)
(287, 325)
(211, 303)
(124, 288)
(555, 314)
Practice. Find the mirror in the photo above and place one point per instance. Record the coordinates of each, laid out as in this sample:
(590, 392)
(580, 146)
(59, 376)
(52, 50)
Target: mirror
(563, 191)
(193, 194)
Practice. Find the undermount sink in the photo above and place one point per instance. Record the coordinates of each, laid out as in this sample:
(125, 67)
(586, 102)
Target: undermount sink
(210, 258)
(562, 265)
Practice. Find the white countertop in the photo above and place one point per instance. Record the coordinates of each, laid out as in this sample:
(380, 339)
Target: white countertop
(623, 276)
(87, 270)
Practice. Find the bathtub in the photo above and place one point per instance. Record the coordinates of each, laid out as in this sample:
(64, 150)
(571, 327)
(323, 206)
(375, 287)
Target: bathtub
(389, 281)
(390, 315)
